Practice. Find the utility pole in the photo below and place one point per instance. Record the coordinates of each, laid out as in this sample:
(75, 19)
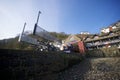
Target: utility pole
(24, 27)
(38, 17)
(36, 22)
(22, 32)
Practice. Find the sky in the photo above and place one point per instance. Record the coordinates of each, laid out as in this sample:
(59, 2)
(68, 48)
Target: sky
(69, 16)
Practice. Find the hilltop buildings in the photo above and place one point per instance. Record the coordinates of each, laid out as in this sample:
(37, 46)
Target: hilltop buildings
(109, 37)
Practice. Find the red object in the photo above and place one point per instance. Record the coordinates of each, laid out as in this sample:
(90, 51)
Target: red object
(110, 28)
(81, 47)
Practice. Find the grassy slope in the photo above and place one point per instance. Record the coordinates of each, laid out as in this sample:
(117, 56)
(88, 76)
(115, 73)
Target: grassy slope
(21, 64)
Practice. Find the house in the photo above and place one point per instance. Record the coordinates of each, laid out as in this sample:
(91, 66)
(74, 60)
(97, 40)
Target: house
(72, 39)
(111, 28)
(76, 42)
(110, 37)
(84, 33)
(105, 30)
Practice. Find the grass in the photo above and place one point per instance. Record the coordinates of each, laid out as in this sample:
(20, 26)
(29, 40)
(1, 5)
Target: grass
(25, 64)
(104, 52)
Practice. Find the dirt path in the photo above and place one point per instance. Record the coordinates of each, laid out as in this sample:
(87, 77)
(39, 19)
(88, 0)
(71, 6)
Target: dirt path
(93, 69)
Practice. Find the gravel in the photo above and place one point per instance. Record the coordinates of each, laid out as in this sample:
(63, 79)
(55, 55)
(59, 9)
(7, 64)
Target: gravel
(93, 69)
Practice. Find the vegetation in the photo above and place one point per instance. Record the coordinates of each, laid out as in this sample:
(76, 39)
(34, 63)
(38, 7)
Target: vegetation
(13, 43)
(104, 52)
(33, 65)
(60, 36)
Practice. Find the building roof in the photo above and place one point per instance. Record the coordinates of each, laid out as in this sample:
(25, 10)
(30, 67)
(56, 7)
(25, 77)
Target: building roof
(72, 39)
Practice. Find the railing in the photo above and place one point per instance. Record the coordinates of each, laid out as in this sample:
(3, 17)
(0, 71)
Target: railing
(102, 43)
(101, 38)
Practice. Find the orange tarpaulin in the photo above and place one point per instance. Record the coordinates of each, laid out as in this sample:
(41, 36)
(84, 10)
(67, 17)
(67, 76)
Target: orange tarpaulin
(81, 47)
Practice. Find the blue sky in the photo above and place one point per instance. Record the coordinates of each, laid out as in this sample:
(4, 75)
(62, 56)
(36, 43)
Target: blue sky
(69, 16)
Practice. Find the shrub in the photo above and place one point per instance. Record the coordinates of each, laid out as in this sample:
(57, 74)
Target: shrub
(26, 64)
(104, 52)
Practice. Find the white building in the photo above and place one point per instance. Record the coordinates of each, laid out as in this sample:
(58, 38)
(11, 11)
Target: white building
(108, 29)
(105, 30)
(84, 33)
(114, 27)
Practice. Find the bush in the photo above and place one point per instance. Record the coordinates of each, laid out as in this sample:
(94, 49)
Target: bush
(104, 52)
(34, 65)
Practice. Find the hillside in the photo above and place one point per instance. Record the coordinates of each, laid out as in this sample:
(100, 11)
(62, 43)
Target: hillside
(12, 43)
(34, 65)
